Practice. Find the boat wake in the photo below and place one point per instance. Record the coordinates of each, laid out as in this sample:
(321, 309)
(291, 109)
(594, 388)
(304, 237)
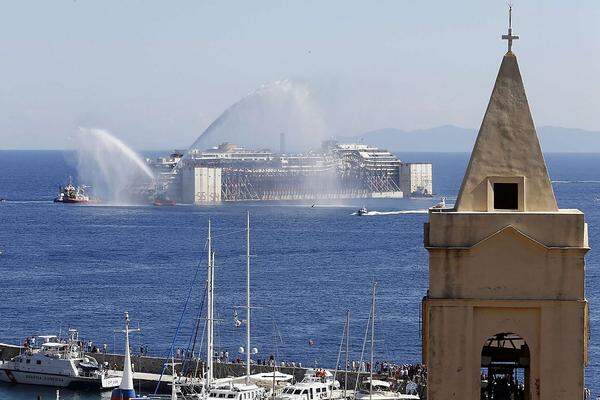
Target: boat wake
(399, 212)
(28, 201)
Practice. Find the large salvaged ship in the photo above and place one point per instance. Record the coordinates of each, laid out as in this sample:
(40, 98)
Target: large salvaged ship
(229, 172)
(73, 194)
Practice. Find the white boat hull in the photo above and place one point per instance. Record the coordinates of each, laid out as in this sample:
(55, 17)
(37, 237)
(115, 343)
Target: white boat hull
(37, 378)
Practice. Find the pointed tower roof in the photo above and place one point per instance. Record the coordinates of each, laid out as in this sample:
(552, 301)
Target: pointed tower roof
(507, 147)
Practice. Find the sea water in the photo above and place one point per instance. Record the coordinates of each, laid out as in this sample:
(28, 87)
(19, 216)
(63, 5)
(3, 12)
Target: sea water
(81, 267)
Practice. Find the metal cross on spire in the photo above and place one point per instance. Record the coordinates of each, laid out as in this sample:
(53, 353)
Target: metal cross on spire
(510, 37)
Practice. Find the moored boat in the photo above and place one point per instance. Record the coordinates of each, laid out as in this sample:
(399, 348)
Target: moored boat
(316, 384)
(57, 363)
(381, 390)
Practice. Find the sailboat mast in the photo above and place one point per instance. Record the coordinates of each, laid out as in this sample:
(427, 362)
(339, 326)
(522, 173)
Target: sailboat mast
(209, 312)
(372, 340)
(248, 298)
(347, 350)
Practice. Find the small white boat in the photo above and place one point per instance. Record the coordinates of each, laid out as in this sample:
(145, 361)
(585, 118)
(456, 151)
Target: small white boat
(381, 390)
(317, 384)
(57, 363)
(237, 391)
(274, 382)
(362, 211)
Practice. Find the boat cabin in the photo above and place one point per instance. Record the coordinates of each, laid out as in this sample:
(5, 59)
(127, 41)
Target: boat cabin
(317, 384)
(237, 392)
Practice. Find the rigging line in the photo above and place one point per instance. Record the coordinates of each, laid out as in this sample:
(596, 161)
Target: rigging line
(201, 345)
(162, 372)
(201, 309)
(337, 363)
(362, 352)
(277, 338)
(194, 335)
(228, 233)
(386, 348)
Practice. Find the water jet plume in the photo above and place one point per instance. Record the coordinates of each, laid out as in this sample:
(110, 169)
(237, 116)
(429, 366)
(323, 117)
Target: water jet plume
(257, 120)
(116, 173)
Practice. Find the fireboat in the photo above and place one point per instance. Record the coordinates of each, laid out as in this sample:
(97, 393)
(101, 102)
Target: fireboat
(73, 194)
(161, 199)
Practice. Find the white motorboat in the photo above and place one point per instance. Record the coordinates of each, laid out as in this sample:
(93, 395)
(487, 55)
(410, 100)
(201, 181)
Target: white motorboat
(381, 390)
(362, 211)
(274, 382)
(317, 384)
(57, 363)
(237, 391)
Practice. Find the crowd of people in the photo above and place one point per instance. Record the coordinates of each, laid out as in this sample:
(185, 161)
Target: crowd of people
(501, 387)
(407, 378)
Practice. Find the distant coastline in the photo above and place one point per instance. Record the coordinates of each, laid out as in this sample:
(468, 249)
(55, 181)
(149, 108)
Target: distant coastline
(454, 139)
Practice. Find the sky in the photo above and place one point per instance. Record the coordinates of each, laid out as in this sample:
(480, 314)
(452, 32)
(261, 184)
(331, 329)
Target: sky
(157, 73)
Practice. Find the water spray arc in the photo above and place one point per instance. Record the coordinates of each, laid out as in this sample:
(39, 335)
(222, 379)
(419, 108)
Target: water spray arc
(257, 120)
(113, 169)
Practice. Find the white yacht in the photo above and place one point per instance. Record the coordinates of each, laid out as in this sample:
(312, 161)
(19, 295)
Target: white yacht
(317, 384)
(381, 390)
(57, 363)
(274, 382)
(237, 391)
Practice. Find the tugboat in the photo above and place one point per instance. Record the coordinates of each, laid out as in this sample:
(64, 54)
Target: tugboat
(362, 211)
(162, 200)
(73, 194)
(57, 363)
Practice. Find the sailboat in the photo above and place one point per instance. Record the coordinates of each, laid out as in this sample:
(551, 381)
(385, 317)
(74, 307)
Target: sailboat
(179, 383)
(245, 390)
(125, 391)
(375, 389)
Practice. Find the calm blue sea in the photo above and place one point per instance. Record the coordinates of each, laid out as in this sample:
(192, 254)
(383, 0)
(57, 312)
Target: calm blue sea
(82, 266)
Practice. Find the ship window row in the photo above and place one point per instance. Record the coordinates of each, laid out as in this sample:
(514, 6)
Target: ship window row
(28, 361)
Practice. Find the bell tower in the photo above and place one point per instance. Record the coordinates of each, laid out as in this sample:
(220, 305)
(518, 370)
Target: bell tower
(506, 310)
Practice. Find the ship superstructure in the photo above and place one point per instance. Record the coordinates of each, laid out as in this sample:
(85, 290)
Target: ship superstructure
(232, 173)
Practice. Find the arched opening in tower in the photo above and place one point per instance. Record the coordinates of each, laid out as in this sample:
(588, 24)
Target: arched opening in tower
(505, 364)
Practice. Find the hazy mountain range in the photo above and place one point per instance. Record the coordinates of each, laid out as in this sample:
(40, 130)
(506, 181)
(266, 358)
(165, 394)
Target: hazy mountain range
(450, 138)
